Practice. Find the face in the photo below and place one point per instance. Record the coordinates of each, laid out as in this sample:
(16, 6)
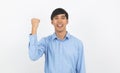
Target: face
(60, 21)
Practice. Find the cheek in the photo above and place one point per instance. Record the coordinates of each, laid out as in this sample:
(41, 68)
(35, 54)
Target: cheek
(66, 23)
(54, 22)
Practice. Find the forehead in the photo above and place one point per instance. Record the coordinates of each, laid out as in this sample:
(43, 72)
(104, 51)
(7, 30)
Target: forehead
(60, 15)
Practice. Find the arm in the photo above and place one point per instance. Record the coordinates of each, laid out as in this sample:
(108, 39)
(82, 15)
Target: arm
(81, 60)
(35, 23)
(36, 49)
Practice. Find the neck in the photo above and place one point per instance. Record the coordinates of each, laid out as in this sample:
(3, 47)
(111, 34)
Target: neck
(61, 35)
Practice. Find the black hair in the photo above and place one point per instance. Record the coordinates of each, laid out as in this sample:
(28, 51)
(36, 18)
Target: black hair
(58, 11)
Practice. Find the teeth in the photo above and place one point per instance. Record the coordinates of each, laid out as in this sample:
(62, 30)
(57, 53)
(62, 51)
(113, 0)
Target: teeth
(59, 25)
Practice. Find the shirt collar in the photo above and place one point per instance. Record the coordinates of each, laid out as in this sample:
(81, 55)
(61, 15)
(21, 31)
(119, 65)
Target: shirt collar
(54, 36)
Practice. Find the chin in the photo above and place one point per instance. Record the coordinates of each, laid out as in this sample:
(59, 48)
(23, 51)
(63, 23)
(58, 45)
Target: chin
(59, 30)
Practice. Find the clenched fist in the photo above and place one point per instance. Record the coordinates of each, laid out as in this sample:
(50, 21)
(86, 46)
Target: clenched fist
(35, 22)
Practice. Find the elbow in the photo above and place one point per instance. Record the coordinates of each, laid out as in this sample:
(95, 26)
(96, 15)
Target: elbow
(32, 57)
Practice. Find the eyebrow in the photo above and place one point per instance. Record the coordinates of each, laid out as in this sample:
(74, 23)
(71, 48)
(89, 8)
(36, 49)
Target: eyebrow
(64, 16)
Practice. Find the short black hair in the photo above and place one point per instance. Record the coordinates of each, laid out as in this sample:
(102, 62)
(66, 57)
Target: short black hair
(58, 11)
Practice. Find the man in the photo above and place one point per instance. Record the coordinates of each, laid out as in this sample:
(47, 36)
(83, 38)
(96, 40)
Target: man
(63, 52)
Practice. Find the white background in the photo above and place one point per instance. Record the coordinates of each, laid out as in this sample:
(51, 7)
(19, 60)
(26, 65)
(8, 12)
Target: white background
(95, 22)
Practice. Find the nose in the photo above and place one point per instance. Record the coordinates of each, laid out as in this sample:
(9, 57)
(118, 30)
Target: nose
(59, 21)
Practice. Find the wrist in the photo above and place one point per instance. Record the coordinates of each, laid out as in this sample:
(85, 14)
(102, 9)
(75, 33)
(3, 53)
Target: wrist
(34, 31)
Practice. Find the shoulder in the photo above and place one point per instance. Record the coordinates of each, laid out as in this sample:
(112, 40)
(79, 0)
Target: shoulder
(78, 40)
(47, 38)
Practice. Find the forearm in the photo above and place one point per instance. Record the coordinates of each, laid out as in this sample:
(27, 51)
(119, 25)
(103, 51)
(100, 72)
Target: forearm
(36, 48)
(33, 31)
(33, 47)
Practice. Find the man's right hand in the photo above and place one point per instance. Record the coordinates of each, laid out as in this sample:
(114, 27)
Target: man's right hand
(35, 23)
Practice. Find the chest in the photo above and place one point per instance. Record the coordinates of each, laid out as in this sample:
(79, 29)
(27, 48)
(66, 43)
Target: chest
(60, 48)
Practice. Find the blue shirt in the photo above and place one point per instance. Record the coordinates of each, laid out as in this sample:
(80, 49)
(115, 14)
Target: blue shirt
(61, 56)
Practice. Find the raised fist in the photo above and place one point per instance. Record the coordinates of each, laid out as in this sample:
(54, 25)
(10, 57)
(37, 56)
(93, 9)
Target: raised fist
(35, 22)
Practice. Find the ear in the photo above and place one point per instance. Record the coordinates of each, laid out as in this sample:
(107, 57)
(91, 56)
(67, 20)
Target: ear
(67, 21)
(51, 22)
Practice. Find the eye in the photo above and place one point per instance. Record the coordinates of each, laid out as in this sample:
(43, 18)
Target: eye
(56, 18)
(63, 17)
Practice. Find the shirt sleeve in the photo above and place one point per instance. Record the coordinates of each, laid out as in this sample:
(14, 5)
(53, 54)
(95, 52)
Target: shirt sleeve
(81, 60)
(36, 48)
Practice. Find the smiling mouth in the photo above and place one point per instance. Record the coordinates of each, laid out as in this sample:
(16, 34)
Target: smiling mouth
(60, 25)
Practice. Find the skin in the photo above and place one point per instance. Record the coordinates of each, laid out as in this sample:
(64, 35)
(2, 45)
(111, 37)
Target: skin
(59, 22)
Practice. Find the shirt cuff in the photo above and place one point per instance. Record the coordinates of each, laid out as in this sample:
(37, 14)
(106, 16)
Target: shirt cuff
(32, 38)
